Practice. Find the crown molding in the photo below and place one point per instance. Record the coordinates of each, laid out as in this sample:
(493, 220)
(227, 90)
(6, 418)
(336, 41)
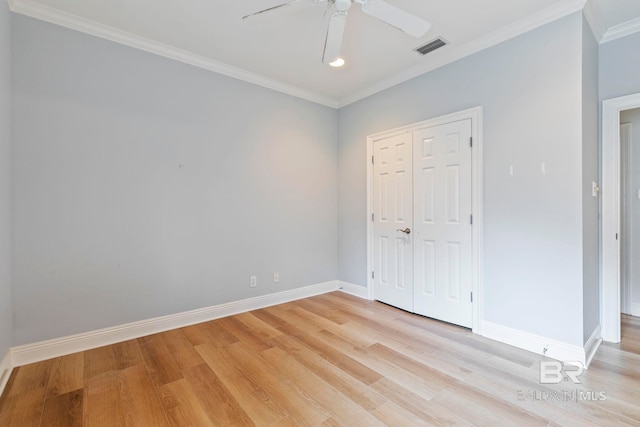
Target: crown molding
(454, 53)
(593, 14)
(36, 10)
(622, 30)
(45, 13)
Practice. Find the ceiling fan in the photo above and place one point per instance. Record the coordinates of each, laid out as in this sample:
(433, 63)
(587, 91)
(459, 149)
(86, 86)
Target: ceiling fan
(380, 9)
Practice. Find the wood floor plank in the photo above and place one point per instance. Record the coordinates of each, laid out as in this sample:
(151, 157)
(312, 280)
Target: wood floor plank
(335, 356)
(182, 405)
(67, 374)
(212, 332)
(254, 400)
(328, 310)
(330, 360)
(159, 360)
(342, 408)
(351, 387)
(214, 397)
(479, 408)
(437, 379)
(99, 361)
(258, 326)
(413, 351)
(543, 408)
(291, 318)
(269, 318)
(64, 410)
(23, 409)
(181, 348)
(101, 401)
(392, 414)
(30, 377)
(301, 408)
(140, 402)
(382, 367)
(413, 403)
(339, 329)
(245, 333)
(127, 354)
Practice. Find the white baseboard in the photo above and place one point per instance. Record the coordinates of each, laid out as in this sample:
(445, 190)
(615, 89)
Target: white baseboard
(534, 343)
(351, 289)
(635, 310)
(6, 366)
(592, 344)
(44, 350)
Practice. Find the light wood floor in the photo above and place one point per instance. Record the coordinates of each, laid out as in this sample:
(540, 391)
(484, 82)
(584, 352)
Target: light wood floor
(322, 361)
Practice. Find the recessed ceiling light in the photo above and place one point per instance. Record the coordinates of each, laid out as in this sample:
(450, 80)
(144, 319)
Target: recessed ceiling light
(338, 62)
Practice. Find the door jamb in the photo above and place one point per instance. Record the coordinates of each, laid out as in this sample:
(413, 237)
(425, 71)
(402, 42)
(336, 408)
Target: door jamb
(625, 241)
(475, 114)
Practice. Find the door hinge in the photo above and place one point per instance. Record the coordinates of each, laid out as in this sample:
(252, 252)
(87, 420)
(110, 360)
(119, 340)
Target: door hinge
(372, 216)
(471, 296)
(471, 142)
(372, 160)
(471, 219)
(373, 275)
(616, 236)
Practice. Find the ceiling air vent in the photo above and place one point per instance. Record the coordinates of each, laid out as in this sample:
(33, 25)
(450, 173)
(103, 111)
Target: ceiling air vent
(431, 46)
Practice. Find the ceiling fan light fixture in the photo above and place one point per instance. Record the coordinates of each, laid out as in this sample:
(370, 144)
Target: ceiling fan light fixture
(337, 63)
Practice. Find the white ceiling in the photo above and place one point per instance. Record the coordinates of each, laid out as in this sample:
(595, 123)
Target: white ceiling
(283, 51)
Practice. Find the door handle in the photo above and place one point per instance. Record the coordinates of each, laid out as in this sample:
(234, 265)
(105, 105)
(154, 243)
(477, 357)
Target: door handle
(406, 230)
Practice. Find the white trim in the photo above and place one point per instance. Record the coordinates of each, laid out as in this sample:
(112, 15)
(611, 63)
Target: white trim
(635, 310)
(44, 350)
(534, 343)
(45, 13)
(626, 225)
(475, 114)
(450, 54)
(593, 14)
(610, 223)
(355, 290)
(621, 30)
(6, 366)
(87, 26)
(592, 345)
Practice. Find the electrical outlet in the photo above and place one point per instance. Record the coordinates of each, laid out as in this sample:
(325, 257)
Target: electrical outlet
(276, 277)
(254, 281)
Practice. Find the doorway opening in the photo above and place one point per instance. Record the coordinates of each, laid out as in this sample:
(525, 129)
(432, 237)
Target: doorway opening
(612, 248)
(630, 211)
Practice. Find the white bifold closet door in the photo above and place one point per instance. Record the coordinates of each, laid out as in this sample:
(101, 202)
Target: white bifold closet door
(422, 222)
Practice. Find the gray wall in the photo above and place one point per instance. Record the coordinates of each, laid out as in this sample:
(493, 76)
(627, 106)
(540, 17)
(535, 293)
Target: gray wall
(620, 67)
(633, 117)
(590, 174)
(145, 187)
(531, 91)
(6, 316)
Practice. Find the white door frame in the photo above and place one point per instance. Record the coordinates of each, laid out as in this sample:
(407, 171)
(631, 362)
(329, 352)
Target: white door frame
(475, 114)
(610, 225)
(625, 225)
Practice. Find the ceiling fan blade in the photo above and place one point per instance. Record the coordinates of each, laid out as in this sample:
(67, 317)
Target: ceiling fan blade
(396, 17)
(333, 42)
(276, 8)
